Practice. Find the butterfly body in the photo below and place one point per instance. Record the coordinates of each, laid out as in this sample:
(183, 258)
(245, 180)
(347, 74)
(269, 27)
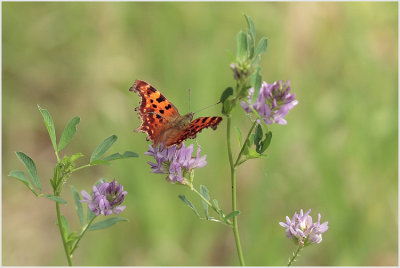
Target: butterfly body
(162, 121)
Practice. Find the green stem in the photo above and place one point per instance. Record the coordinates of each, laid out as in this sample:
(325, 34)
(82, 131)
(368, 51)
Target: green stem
(233, 181)
(62, 234)
(295, 255)
(85, 228)
(78, 168)
(244, 143)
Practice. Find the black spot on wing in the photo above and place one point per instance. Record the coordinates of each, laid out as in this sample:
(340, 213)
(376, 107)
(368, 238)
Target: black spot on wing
(152, 88)
(161, 111)
(160, 99)
(168, 107)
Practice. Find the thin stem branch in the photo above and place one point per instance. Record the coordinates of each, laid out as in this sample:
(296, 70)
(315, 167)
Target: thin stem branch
(81, 167)
(60, 226)
(244, 143)
(295, 255)
(233, 181)
(85, 228)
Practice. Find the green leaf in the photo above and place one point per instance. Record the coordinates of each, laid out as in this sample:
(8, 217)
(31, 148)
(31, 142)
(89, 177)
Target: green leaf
(241, 52)
(258, 136)
(120, 156)
(231, 215)
(239, 136)
(250, 25)
(68, 133)
(227, 92)
(21, 176)
(65, 225)
(56, 199)
(48, 121)
(90, 215)
(226, 107)
(215, 201)
(256, 79)
(102, 148)
(106, 223)
(266, 142)
(205, 194)
(189, 204)
(99, 162)
(250, 46)
(31, 168)
(76, 156)
(262, 46)
(78, 205)
(252, 154)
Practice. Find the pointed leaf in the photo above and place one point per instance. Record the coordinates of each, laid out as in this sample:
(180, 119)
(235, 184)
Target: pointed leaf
(56, 199)
(232, 214)
(250, 25)
(227, 92)
(21, 176)
(262, 46)
(31, 168)
(189, 204)
(239, 136)
(65, 225)
(266, 142)
(68, 133)
(205, 194)
(256, 79)
(106, 223)
(76, 156)
(90, 215)
(258, 135)
(102, 148)
(78, 205)
(99, 162)
(241, 42)
(120, 156)
(48, 121)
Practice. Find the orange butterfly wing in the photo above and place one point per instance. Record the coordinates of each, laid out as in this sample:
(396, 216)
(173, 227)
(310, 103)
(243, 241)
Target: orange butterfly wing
(155, 110)
(162, 121)
(193, 128)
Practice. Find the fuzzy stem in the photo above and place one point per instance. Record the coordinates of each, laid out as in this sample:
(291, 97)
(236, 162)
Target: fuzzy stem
(233, 181)
(295, 255)
(62, 234)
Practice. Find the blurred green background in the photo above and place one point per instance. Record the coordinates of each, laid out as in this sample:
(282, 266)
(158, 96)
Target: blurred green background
(337, 155)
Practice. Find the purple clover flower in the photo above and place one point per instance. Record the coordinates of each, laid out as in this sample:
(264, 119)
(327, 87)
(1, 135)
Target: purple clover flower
(302, 229)
(177, 163)
(273, 103)
(106, 198)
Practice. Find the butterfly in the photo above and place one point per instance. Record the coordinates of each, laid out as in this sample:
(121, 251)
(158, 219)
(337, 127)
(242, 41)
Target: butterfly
(162, 121)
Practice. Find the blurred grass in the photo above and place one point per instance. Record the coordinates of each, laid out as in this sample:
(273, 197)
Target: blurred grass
(337, 155)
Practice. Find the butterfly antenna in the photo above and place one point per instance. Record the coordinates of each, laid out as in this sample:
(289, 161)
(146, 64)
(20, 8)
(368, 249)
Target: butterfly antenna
(207, 107)
(189, 99)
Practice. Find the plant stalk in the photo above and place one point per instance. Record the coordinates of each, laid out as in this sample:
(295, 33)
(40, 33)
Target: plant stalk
(62, 234)
(295, 255)
(233, 182)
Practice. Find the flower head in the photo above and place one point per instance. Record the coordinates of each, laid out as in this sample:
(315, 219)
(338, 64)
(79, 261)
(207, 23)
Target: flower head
(302, 229)
(177, 163)
(273, 103)
(106, 198)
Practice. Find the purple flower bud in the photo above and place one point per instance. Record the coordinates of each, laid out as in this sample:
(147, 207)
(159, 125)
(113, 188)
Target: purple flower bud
(175, 162)
(106, 198)
(273, 103)
(302, 229)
